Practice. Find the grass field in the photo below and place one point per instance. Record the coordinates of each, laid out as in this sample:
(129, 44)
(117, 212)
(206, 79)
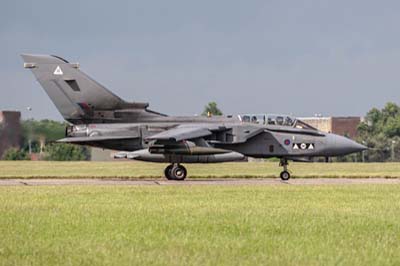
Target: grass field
(200, 225)
(129, 169)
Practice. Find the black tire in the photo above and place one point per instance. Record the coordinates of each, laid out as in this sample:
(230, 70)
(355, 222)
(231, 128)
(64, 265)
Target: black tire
(285, 175)
(167, 172)
(178, 172)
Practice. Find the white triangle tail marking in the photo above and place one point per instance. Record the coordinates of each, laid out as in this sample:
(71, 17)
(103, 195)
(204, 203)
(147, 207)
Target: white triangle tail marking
(58, 71)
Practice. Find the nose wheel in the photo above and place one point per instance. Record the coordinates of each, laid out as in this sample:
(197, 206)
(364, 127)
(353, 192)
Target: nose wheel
(285, 175)
(175, 172)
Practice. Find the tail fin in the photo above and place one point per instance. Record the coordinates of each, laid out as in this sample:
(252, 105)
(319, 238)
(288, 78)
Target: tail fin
(76, 95)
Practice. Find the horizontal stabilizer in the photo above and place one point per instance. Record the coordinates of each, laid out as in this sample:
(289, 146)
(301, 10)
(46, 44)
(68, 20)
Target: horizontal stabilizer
(93, 139)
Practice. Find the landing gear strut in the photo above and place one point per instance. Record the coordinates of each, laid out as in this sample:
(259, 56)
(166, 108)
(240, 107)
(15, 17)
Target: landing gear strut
(285, 175)
(175, 172)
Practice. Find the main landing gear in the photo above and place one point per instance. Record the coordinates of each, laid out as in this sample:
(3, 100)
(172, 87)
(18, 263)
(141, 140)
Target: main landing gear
(285, 175)
(175, 172)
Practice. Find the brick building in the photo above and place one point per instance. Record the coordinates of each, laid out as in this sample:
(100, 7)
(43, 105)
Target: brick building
(344, 126)
(10, 130)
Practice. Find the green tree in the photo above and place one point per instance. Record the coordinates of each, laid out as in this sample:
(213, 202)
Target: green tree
(66, 152)
(392, 127)
(46, 131)
(41, 131)
(14, 154)
(390, 110)
(211, 108)
(381, 133)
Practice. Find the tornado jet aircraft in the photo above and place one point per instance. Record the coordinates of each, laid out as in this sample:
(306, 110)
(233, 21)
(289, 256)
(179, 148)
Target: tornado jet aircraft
(99, 118)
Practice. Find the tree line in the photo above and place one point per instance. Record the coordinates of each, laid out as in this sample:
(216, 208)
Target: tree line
(39, 137)
(380, 132)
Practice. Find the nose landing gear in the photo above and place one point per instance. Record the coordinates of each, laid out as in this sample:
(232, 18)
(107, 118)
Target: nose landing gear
(175, 172)
(285, 175)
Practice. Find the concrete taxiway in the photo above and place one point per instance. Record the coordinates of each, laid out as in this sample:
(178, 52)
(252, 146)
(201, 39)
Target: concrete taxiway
(195, 182)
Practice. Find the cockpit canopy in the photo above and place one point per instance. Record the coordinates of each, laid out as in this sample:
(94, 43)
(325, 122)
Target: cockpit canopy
(275, 120)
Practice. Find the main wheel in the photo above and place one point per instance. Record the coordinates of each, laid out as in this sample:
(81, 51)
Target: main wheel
(167, 172)
(178, 172)
(285, 175)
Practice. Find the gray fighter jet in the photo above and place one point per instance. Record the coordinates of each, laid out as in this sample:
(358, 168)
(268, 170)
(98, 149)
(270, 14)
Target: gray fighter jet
(99, 118)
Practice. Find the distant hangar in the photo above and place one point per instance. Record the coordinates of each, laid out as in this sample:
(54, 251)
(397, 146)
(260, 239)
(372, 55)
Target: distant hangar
(340, 125)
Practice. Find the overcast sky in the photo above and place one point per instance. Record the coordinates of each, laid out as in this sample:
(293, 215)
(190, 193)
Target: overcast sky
(297, 57)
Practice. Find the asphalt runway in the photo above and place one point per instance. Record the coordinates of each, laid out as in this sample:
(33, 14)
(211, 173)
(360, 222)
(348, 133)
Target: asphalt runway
(196, 182)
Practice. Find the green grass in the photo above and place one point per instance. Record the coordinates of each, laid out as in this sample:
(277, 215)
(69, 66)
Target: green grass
(200, 225)
(130, 169)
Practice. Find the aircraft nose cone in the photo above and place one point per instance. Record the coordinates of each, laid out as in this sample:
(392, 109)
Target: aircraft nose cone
(349, 146)
(341, 145)
(359, 147)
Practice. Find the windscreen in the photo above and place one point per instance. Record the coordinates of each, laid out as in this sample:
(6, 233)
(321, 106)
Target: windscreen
(280, 120)
(304, 125)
